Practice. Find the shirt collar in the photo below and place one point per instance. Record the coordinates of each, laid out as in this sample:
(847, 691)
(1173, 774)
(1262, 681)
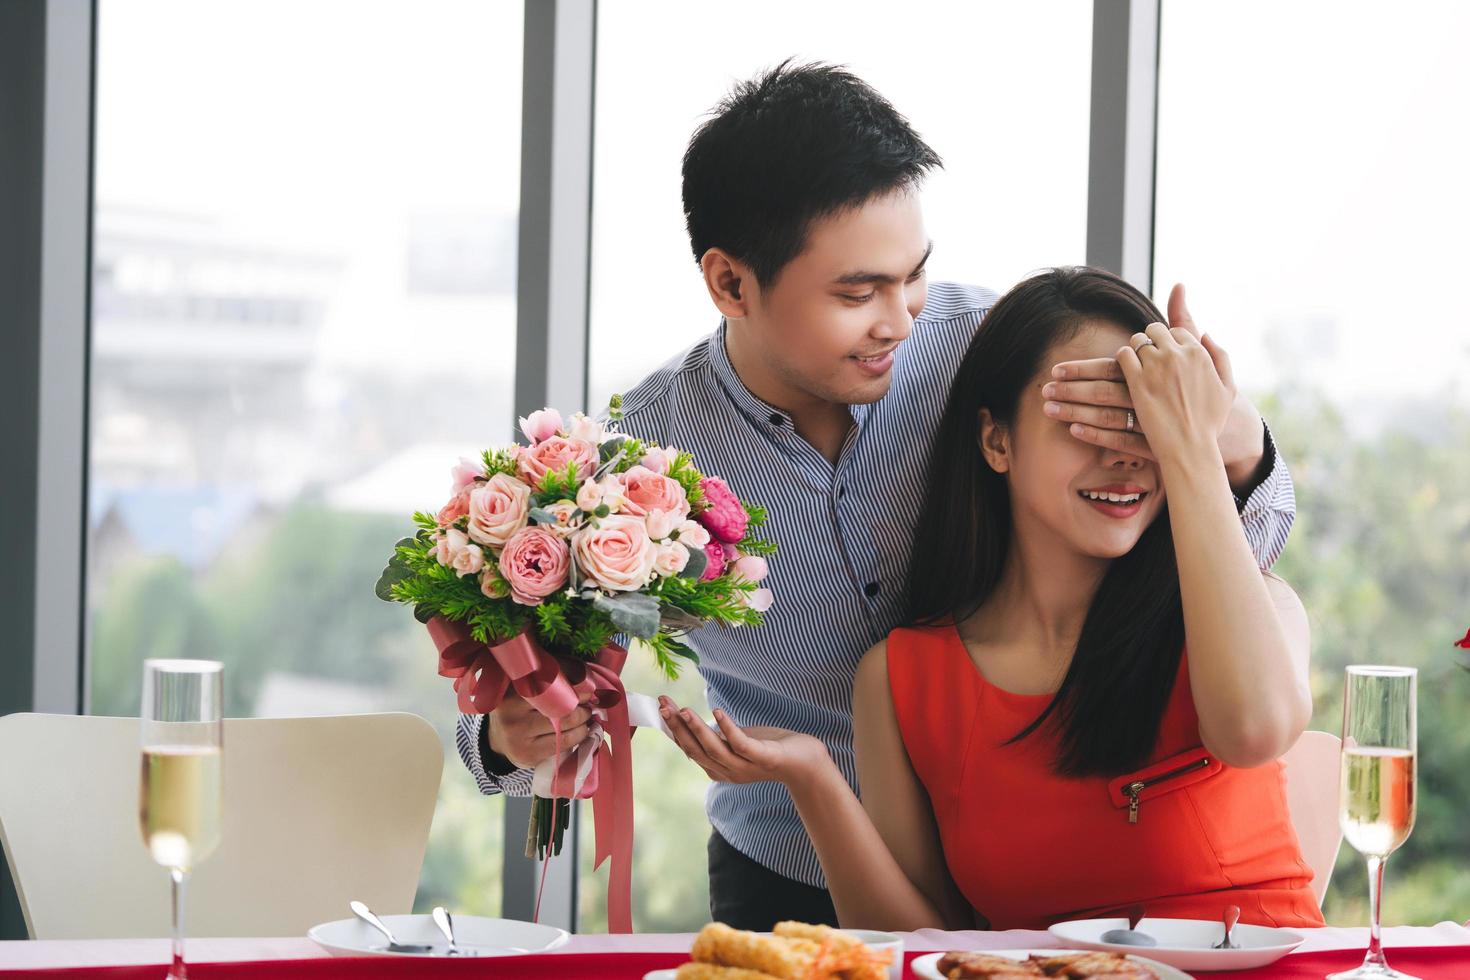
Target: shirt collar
(765, 415)
(762, 413)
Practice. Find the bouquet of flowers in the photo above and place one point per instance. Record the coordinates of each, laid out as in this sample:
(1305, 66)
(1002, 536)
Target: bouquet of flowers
(547, 551)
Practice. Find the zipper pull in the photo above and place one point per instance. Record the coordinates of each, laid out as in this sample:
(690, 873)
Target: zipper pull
(1133, 790)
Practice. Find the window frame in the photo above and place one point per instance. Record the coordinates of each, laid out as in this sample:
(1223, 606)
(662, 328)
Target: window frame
(50, 118)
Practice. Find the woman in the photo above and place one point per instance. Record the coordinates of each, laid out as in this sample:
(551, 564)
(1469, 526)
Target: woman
(1086, 711)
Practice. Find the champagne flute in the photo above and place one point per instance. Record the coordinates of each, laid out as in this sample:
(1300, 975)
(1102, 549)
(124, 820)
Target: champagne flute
(1376, 807)
(181, 794)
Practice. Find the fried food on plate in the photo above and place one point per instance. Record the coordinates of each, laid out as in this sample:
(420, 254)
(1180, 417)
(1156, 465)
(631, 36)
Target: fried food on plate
(1071, 966)
(796, 951)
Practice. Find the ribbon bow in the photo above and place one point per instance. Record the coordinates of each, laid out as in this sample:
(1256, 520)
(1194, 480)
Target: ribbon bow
(483, 676)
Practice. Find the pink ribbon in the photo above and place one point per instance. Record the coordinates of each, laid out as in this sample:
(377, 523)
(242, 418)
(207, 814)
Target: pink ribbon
(483, 675)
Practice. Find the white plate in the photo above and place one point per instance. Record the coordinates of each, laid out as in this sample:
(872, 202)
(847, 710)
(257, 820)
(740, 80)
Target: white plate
(874, 940)
(927, 965)
(485, 937)
(1186, 943)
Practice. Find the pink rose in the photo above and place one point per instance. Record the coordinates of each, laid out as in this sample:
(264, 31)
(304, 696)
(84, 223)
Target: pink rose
(671, 559)
(565, 512)
(661, 523)
(645, 491)
(458, 506)
(751, 568)
(465, 473)
(760, 600)
(715, 552)
(553, 455)
(615, 554)
(542, 425)
(722, 514)
(535, 564)
(498, 509)
(692, 534)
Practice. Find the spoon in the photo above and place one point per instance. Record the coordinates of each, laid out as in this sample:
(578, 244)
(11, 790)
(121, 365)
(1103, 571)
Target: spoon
(445, 922)
(1232, 916)
(394, 946)
(1130, 936)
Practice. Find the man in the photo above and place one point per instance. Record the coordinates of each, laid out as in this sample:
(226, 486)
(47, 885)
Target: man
(817, 398)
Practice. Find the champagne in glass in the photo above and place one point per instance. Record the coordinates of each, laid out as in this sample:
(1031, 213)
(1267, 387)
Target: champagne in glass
(1379, 743)
(180, 797)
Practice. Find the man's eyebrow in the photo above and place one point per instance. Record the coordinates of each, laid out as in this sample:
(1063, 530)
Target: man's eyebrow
(880, 278)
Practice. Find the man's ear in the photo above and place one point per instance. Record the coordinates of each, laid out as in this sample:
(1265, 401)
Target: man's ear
(729, 281)
(995, 442)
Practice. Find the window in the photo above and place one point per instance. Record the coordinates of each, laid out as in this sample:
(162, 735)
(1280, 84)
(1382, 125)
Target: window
(1000, 90)
(304, 311)
(1311, 195)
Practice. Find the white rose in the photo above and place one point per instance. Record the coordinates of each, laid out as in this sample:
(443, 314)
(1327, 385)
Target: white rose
(671, 559)
(585, 429)
(612, 493)
(589, 497)
(661, 523)
(693, 534)
(469, 560)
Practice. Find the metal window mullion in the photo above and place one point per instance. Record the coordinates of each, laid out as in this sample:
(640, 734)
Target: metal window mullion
(552, 290)
(1123, 138)
(61, 456)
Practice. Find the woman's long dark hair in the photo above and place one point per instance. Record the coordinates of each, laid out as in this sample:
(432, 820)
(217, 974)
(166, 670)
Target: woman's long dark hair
(1107, 712)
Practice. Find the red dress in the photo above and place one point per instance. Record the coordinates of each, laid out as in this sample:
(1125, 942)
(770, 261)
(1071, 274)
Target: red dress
(1184, 836)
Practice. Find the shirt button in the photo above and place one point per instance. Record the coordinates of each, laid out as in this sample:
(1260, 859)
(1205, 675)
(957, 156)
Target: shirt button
(775, 419)
(871, 590)
(841, 491)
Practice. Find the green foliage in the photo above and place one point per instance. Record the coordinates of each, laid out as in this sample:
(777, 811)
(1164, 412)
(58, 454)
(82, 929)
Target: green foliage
(557, 486)
(682, 471)
(752, 545)
(1380, 555)
(499, 461)
(722, 599)
(755, 514)
(667, 652)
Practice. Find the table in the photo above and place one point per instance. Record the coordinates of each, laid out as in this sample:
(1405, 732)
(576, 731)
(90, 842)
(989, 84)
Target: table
(71, 953)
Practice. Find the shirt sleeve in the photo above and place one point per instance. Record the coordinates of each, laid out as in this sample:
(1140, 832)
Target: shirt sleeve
(1269, 510)
(469, 738)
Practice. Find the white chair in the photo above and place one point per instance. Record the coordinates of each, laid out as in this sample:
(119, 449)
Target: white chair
(317, 811)
(1312, 775)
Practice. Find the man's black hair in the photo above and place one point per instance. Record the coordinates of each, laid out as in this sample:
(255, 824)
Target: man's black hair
(792, 145)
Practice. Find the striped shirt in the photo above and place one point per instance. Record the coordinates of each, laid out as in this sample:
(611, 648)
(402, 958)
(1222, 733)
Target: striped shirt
(845, 534)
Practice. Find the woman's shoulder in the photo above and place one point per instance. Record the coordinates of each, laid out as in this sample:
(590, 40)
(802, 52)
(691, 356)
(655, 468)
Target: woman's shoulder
(903, 640)
(909, 652)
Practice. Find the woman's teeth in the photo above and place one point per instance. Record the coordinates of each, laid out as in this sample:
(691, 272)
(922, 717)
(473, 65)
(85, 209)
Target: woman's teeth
(1112, 498)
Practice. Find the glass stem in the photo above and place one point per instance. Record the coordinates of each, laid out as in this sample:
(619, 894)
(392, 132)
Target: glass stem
(177, 971)
(1375, 910)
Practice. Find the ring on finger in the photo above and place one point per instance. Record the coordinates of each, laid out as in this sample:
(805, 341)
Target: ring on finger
(1145, 342)
(1132, 421)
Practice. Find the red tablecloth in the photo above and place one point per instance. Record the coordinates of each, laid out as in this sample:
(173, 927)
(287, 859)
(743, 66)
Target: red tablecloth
(1425, 962)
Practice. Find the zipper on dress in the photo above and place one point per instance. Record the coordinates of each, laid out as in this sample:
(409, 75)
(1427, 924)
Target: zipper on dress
(1138, 786)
